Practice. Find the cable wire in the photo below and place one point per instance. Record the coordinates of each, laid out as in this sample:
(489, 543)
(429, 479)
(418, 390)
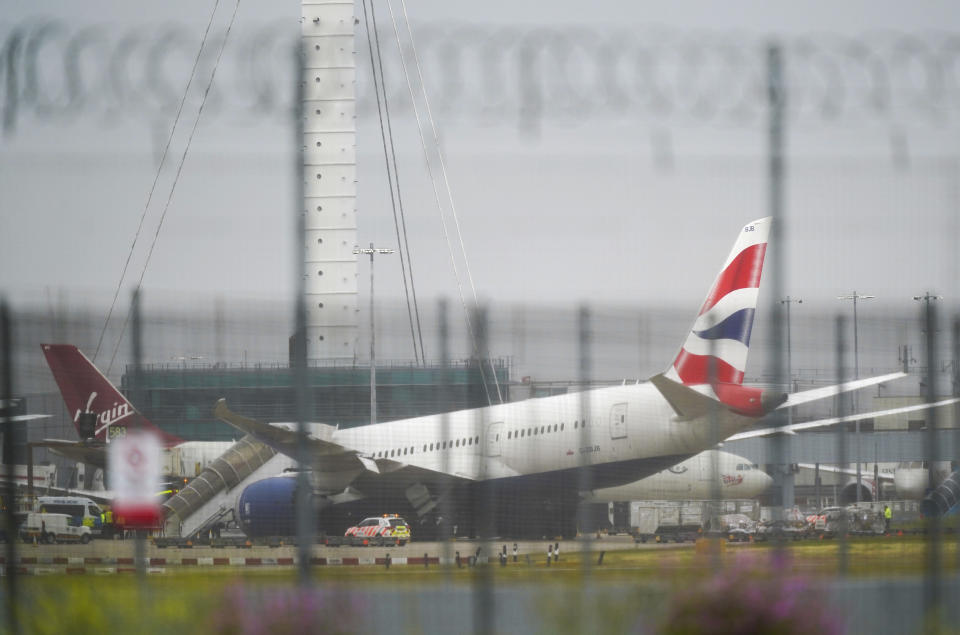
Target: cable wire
(176, 179)
(396, 173)
(385, 131)
(156, 178)
(436, 139)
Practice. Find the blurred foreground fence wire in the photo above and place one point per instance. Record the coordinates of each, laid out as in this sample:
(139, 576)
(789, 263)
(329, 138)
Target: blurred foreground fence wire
(55, 71)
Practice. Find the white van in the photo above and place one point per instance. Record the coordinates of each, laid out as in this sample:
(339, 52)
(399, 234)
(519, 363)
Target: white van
(83, 511)
(52, 528)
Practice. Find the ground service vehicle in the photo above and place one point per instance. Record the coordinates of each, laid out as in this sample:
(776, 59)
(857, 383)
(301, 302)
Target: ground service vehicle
(82, 510)
(52, 528)
(389, 528)
(679, 521)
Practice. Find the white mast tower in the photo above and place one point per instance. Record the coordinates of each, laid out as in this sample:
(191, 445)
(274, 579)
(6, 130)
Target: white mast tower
(330, 178)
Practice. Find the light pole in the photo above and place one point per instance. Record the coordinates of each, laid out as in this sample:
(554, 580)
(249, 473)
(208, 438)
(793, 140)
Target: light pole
(931, 387)
(373, 360)
(788, 301)
(856, 371)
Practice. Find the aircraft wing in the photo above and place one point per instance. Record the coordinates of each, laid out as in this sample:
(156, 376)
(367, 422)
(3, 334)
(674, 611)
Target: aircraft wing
(279, 437)
(849, 471)
(21, 418)
(822, 423)
(806, 396)
(91, 453)
(331, 458)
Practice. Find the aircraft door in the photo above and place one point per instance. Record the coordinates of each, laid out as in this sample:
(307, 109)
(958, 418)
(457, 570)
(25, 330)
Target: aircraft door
(705, 465)
(618, 421)
(494, 430)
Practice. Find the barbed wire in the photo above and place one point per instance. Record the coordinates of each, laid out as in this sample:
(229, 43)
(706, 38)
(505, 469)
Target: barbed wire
(54, 72)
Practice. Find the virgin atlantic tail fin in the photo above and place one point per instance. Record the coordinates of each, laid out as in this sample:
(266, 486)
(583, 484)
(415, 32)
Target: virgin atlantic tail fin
(98, 409)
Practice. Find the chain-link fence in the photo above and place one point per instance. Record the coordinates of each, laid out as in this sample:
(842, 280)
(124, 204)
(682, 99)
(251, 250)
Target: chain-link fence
(667, 465)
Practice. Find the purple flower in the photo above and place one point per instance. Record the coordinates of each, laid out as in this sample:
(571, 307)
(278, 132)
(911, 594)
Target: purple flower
(278, 611)
(752, 598)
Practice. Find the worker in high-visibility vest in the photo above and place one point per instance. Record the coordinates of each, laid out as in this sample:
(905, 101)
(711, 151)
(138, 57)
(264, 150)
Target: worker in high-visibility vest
(108, 528)
(887, 516)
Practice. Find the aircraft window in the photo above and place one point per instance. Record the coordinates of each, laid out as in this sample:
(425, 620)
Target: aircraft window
(411, 450)
(576, 424)
(476, 439)
(404, 451)
(755, 466)
(561, 427)
(391, 452)
(509, 434)
(458, 443)
(470, 441)
(541, 429)
(521, 433)
(424, 447)
(498, 437)
(623, 418)
(556, 427)
(529, 432)
(739, 467)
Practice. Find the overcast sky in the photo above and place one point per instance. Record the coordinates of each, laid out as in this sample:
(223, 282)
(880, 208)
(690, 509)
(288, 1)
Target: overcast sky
(583, 210)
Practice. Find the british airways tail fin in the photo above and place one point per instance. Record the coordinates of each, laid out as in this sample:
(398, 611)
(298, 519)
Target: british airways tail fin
(98, 409)
(723, 325)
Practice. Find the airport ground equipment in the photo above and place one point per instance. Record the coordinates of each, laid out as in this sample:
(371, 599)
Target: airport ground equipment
(944, 499)
(663, 521)
(208, 498)
(52, 528)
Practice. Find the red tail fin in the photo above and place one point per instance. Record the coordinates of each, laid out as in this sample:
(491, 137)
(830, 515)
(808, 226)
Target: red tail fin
(86, 390)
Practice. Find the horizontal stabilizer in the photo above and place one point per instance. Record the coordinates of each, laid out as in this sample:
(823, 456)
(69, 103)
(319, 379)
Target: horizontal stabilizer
(686, 402)
(22, 418)
(822, 423)
(94, 453)
(816, 394)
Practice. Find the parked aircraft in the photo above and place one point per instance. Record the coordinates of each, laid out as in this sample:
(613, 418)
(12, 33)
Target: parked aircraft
(528, 460)
(708, 475)
(100, 413)
(911, 479)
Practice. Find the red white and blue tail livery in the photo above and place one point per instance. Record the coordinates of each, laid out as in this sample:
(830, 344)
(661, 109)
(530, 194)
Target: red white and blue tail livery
(722, 329)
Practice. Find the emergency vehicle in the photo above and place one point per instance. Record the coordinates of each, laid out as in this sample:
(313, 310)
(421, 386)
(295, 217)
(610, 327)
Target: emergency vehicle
(53, 528)
(82, 511)
(389, 528)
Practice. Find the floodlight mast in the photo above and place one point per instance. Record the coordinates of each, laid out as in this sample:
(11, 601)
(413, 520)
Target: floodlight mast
(788, 301)
(931, 386)
(371, 251)
(856, 373)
